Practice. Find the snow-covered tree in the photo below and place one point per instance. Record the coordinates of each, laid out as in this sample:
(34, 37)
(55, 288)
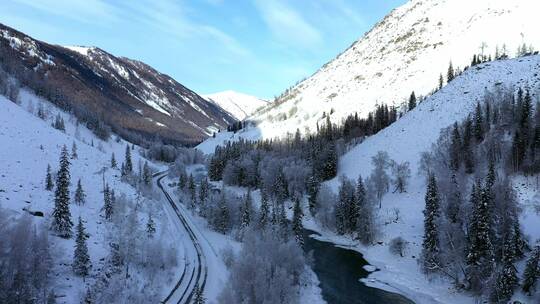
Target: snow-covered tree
(147, 174)
(59, 123)
(108, 207)
(481, 255)
(80, 196)
(430, 244)
(247, 211)
(182, 181)
(204, 191)
(450, 75)
(74, 154)
(312, 186)
(297, 222)
(264, 212)
(113, 161)
(49, 184)
(223, 218)
(366, 225)
(62, 223)
(81, 259)
(192, 188)
(532, 271)
(379, 177)
(478, 124)
(401, 175)
(506, 280)
(128, 164)
(412, 101)
(150, 227)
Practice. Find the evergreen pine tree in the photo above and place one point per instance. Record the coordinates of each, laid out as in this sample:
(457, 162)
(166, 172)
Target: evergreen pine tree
(478, 124)
(223, 216)
(204, 191)
(441, 82)
(297, 221)
(49, 184)
(450, 74)
(519, 243)
(468, 156)
(454, 202)
(247, 211)
(430, 244)
(150, 227)
(113, 161)
(506, 280)
(62, 223)
(312, 186)
(147, 174)
(455, 148)
(192, 191)
(81, 260)
(264, 213)
(282, 221)
(74, 151)
(107, 202)
(128, 165)
(532, 271)
(80, 196)
(412, 101)
(365, 223)
(480, 253)
(182, 181)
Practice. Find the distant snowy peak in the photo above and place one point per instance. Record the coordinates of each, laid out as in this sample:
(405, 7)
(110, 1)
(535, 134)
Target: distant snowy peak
(239, 105)
(404, 52)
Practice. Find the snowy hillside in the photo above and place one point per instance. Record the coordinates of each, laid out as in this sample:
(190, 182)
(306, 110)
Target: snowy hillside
(405, 52)
(404, 141)
(237, 104)
(467, 88)
(29, 145)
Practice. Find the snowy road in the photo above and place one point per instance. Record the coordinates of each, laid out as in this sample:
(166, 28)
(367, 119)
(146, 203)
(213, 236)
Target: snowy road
(195, 268)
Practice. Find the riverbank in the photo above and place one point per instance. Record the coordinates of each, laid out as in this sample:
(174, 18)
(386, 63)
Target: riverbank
(340, 271)
(390, 273)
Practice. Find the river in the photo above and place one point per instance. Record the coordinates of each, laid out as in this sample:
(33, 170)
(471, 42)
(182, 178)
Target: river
(339, 271)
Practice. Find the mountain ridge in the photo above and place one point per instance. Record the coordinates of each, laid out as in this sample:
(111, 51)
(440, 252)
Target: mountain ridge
(406, 51)
(132, 97)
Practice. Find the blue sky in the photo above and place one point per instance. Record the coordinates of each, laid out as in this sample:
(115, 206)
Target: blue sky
(258, 47)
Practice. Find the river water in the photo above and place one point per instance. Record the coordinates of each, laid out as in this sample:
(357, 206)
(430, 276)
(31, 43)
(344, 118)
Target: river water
(339, 271)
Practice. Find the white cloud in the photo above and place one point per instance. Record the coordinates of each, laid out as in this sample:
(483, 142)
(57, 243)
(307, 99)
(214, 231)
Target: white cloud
(287, 25)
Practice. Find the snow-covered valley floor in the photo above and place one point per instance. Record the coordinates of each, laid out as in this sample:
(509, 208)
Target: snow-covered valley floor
(29, 145)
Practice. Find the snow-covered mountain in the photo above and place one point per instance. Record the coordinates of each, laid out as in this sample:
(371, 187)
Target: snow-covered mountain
(128, 95)
(406, 51)
(239, 105)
